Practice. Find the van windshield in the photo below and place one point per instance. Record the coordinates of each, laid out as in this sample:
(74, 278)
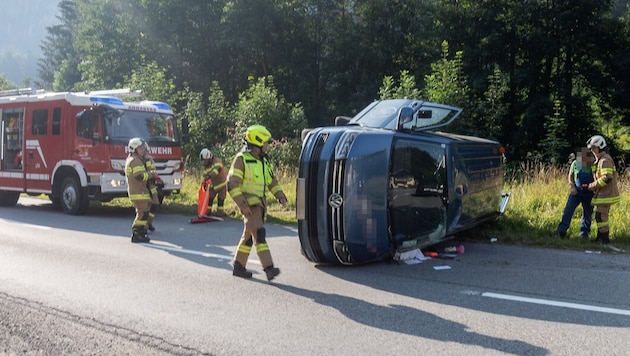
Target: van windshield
(384, 114)
(122, 125)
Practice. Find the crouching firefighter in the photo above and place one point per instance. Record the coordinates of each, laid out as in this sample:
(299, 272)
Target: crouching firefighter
(249, 178)
(604, 186)
(137, 188)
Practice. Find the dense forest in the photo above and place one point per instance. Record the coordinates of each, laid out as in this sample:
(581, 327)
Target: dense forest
(540, 76)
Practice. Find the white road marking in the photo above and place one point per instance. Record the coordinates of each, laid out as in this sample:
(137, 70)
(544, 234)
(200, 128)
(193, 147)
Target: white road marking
(13, 222)
(556, 303)
(158, 245)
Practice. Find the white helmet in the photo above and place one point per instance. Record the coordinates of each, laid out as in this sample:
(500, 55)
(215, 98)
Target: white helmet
(205, 154)
(596, 141)
(134, 143)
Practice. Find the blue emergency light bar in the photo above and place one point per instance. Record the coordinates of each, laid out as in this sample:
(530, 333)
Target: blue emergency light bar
(158, 104)
(106, 100)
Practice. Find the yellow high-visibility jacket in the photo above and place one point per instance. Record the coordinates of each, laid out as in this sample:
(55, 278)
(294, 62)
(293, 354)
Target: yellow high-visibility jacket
(250, 178)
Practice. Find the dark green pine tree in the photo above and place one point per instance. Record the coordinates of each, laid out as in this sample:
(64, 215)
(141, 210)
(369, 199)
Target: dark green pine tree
(58, 55)
(554, 144)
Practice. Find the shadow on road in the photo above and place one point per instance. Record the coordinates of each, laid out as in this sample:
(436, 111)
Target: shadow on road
(415, 322)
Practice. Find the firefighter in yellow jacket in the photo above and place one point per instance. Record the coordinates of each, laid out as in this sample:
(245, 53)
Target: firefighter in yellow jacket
(214, 171)
(249, 179)
(137, 188)
(604, 186)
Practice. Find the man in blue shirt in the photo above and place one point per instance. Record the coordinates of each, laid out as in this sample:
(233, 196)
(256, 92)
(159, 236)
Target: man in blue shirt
(580, 176)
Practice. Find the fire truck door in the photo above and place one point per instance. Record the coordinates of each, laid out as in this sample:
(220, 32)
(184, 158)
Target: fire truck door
(87, 147)
(39, 148)
(12, 123)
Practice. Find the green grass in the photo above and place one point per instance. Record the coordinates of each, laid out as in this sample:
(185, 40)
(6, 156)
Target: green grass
(536, 206)
(531, 217)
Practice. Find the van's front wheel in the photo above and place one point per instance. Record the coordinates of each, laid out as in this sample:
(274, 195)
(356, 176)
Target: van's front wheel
(73, 199)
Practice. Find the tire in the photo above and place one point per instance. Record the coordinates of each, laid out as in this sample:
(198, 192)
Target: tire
(8, 197)
(56, 201)
(73, 198)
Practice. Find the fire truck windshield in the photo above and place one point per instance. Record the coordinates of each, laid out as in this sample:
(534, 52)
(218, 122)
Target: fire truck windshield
(121, 125)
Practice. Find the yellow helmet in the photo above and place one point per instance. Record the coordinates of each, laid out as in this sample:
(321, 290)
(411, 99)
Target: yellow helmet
(257, 135)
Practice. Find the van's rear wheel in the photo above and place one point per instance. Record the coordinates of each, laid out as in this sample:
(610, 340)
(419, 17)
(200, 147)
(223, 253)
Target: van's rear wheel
(73, 198)
(8, 197)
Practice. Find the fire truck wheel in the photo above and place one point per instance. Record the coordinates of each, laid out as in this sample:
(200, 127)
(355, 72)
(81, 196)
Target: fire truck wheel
(73, 199)
(8, 198)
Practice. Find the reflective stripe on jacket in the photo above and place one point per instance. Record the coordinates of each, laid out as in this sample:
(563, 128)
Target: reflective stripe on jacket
(137, 178)
(249, 178)
(216, 173)
(605, 175)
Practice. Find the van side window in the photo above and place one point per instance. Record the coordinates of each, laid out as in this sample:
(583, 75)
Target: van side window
(56, 121)
(40, 122)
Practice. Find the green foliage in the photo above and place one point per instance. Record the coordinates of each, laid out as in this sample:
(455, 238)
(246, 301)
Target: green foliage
(330, 57)
(447, 82)
(405, 89)
(58, 64)
(154, 83)
(555, 142)
(5, 83)
(261, 104)
(220, 126)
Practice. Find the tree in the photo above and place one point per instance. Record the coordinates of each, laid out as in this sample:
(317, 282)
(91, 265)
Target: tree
(5, 83)
(555, 143)
(447, 85)
(58, 64)
(406, 88)
(154, 83)
(108, 42)
(262, 104)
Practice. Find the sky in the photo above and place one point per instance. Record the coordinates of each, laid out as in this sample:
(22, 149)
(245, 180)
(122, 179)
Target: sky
(22, 29)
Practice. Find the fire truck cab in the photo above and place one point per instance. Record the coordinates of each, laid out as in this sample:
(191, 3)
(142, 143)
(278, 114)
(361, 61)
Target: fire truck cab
(73, 146)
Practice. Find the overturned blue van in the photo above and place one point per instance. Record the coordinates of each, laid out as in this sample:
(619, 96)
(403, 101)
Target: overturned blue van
(385, 181)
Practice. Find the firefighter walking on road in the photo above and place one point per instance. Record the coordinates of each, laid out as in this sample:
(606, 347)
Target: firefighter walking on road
(249, 179)
(604, 186)
(214, 171)
(137, 188)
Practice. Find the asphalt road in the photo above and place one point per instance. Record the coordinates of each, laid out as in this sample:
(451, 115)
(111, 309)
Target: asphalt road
(76, 285)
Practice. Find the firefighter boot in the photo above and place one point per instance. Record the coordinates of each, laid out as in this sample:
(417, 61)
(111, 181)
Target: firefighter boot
(138, 234)
(240, 271)
(271, 272)
(602, 237)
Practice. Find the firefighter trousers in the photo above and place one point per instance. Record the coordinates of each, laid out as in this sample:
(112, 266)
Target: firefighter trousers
(143, 207)
(601, 218)
(254, 235)
(155, 205)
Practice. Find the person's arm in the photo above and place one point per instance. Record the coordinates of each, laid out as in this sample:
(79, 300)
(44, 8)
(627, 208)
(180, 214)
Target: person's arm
(234, 183)
(606, 169)
(571, 178)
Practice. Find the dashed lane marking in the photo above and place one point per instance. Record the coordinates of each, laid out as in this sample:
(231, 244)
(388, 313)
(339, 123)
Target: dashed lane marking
(554, 303)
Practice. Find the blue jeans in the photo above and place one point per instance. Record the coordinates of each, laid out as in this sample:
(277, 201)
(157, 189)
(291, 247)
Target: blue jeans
(573, 201)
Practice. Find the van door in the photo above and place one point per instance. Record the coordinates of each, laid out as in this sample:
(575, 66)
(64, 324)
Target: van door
(417, 193)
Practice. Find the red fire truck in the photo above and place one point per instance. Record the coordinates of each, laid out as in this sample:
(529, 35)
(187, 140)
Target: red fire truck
(73, 146)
